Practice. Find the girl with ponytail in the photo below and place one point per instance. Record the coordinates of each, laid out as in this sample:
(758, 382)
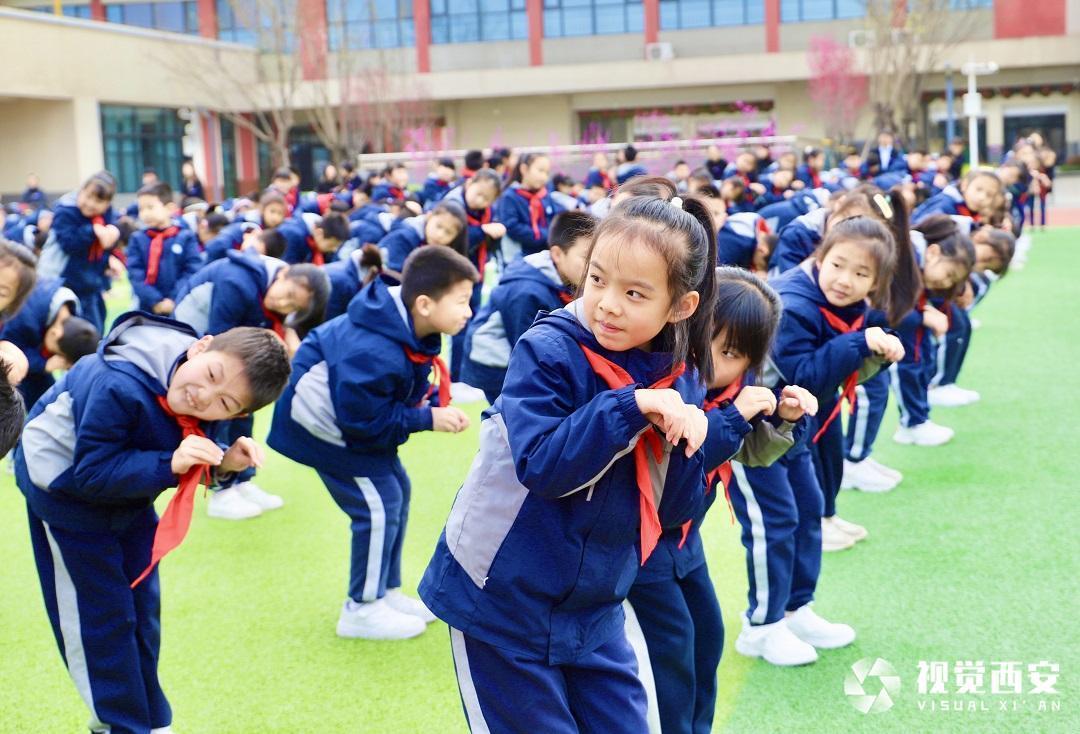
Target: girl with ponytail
(591, 450)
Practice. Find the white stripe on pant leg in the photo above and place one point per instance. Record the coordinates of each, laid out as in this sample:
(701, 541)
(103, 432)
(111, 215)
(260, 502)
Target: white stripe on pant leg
(477, 724)
(67, 609)
(862, 417)
(377, 541)
(894, 382)
(942, 354)
(636, 637)
(758, 551)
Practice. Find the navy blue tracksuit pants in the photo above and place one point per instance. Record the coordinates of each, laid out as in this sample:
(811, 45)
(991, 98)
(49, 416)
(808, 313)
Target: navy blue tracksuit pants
(953, 348)
(828, 455)
(910, 378)
(109, 634)
(93, 308)
(378, 510)
(505, 692)
(871, 400)
(779, 508)
(684, 632)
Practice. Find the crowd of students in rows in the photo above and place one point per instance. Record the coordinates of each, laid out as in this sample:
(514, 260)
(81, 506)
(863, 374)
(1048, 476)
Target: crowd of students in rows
(650, 344)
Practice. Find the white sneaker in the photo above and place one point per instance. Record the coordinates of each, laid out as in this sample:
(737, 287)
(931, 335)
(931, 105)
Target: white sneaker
(162, 730)
(407, 605)
(951, 396)
(924, 434)
(833, 538)
(857, 532)
(882, 469)
(229, 504)
(461, 392)
(805, 624)
(377, 620)
(863, 476)
(774, 643)
(258, 496)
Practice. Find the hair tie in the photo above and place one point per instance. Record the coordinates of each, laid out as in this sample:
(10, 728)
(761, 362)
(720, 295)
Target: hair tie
(676, 202)
(884, 205)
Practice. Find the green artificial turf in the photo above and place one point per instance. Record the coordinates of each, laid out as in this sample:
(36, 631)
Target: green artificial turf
(974, 557)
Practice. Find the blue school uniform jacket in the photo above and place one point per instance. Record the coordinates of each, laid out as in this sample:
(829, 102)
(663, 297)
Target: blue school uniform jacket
(97, 448)
(231, 237)
(808, 351)
(798, 240)
(346, 280)
(354, 395)
(950, 201)
(74, 236)
(399, 243)
(541, 546)
(180, 259)
(228, 293)
(26, 330)
(528, 286)
(384, 191)
(627, 171)
(783, 213)
(473, 218)
(737, 240)
(512, 210)
(433, 190)
(296, 232)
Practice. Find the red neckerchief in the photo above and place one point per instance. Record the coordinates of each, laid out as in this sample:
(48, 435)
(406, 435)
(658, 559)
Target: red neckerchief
(317, 257)
(45, 353)
(482, 251)
(962, 209)
(291, 197)
(815, 178)
(467, 173)
(157, 246)
(97, 250)
(566, 297)
(276, 324)
(722, 472)
(536, 208)
(396, 193)
(848, 392)
(324, 201)
(442, 374)
(616, 377)
(176, 519)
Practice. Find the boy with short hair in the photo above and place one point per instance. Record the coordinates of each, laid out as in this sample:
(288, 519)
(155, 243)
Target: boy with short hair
(543, 281)
(116, 431)
(50, 333)
(162, 255)
(311, 238)
(359, 389)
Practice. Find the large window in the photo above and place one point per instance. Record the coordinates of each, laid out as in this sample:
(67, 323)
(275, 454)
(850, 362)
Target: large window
(793, 11)
(592, 17)
(69, 10)
(679, 14)
(234, 23)
(360, 24)
(469, 21)
(136, 138)
(228, 157)
(178, 17)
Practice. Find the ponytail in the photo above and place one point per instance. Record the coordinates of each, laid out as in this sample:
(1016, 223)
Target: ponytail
(371, 263)
(906, 285)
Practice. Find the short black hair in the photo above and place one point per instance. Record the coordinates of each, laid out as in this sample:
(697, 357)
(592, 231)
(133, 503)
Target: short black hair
(215, 222)
(12, 412)
(274, 242)
(495, 160)
(160, 191)
(266, 361)
(474, 160)
(432, 271)
(316, 281)
(447, 162)
(630, 153)
(561, 179)
(79, 339)
(335, 226)
(568, 228)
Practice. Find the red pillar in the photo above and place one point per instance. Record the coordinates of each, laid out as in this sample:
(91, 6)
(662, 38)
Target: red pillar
(534, 10)
(311, 18)
(422, 19)
(247, 160)
(97, 10)
(211, 136)
(652, 20)
(772, 26)
(208, 21)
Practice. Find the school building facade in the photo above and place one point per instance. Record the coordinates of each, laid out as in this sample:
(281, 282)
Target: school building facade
(108, 83)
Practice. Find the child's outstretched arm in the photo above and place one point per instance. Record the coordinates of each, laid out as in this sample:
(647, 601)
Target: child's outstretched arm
(559, 447)
(820, 368)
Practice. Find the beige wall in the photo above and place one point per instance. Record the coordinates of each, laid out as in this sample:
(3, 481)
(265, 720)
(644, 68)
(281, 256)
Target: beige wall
(493, 54)
(741, 39)
(578, 50)
(512, 121)
(51, 125)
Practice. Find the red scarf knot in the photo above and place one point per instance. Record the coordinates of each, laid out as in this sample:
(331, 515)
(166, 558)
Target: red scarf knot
(97, 250)
(536, 208)
(317, 256)
(157, 248)
(648, 442)
(442, 375)
(852, 381)
(175, 521)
